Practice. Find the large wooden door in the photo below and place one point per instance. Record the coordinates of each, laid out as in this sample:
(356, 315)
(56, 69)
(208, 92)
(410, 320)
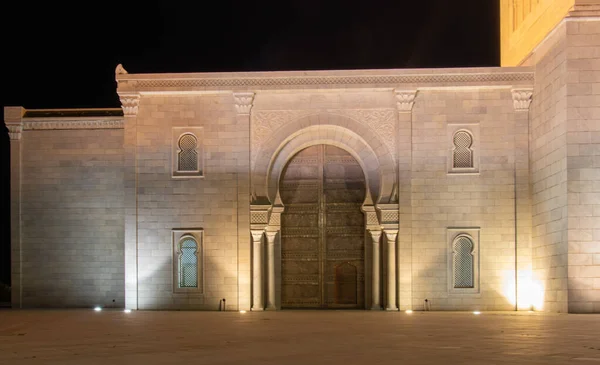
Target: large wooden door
(322, 230)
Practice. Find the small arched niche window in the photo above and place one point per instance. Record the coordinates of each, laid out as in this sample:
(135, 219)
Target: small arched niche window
(462, 154)
(463, 262)
(187, 156)
(188, 262)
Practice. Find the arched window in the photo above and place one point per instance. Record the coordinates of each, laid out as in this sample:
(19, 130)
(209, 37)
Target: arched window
(188, 262)
(187, 156)
(462, 155)
(464, 276)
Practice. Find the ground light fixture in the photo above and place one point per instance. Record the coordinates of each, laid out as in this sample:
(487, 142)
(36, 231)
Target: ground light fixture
(242, 311)
(127, 311)
(97, 309)
(408, 311)
(477, 313)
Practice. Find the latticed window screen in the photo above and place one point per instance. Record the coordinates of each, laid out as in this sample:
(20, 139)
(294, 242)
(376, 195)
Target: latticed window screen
(188, 263)
(463, 263)
(188, 156)
(463, 154)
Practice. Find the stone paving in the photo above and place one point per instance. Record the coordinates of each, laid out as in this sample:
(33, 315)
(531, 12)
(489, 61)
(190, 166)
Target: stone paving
(296, 337)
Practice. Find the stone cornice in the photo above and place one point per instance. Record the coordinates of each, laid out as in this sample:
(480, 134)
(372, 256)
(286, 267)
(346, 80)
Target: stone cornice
(522, 99)
(96, 123)
(372, 79)
(405, 99)
(243, 102)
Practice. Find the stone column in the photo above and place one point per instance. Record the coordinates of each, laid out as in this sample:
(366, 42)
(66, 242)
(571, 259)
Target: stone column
(130, 103)
(257, 269)
(243, 106)
(405, 100)
(376, 301)
(13, 119)
(522, 99)
(391, 268)
(271, 236)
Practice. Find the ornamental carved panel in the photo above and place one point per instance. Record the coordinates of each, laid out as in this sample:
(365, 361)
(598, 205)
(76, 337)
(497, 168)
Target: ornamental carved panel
(264, 123)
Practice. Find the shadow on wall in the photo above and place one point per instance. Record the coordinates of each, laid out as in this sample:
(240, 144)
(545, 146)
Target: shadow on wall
(4, 212)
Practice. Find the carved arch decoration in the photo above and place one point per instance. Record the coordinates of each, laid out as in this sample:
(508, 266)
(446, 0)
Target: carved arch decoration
(358, 139)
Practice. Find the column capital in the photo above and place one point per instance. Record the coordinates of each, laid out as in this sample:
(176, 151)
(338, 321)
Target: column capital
(375, 235)
(522, 99)
(243, 102)
(257, 235)
(405, 99)
(13, 119)
(271, 236)
(391, 234)
(130, 103)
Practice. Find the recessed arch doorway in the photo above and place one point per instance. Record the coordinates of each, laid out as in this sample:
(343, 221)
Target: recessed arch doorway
(322, 189)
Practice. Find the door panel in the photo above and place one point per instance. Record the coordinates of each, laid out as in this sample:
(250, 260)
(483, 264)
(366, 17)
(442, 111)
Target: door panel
(322, 189)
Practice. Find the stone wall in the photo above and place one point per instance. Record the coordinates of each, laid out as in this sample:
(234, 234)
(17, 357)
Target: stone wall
(583, 163)
(483, 200)
(209, 203)
(72, 218)
(548, 155)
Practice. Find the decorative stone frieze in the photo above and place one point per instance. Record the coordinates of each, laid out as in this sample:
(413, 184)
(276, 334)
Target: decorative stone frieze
(405, 99)
(259, 216)
(130, 104)
(388, 215)
(352, 79)
(522, 99)
(266, 122)
(73, 124)
(371, 219)
(243, 102)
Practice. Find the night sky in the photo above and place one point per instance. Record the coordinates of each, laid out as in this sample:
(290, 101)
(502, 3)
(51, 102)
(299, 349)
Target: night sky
(60, 56)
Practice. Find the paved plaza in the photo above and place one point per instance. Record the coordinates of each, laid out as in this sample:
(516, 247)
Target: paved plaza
(296, 337)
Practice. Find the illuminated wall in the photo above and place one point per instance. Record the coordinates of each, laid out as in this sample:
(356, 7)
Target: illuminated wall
(525, 23)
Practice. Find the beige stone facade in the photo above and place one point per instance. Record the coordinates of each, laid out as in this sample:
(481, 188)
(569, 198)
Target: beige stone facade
(480, 189)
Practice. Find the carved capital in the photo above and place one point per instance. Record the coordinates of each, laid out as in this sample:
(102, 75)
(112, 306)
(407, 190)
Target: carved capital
(14, 131)
(243, 102)
(391, 235)
(130, 103)
(522, 99)
(405, 99)
(13, 118)
(257, 236)
(271, 236)
(375, 236)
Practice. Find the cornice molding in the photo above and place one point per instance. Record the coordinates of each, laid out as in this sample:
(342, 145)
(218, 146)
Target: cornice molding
(73, 124)
(522, 99)
(405, 99)
(130, 104)
(243, 102)
(143, 82)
